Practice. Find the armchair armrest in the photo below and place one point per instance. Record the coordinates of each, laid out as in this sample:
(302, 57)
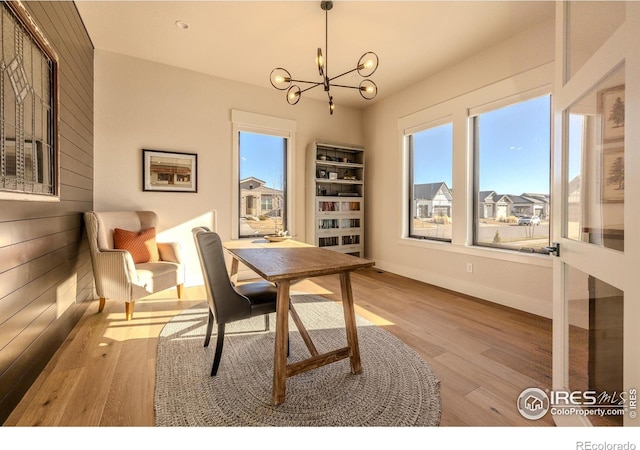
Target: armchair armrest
(169, 251)
(116, 272)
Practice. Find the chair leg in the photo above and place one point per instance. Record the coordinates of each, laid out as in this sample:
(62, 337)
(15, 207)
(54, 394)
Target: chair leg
(128, 307)
(207, 337)
(180, 289)
(219, 344)
(103, 301)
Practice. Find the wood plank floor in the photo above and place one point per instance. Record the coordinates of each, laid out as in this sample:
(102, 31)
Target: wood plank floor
(483, 354)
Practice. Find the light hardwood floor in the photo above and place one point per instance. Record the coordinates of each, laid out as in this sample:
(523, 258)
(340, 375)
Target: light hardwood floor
(484, 355)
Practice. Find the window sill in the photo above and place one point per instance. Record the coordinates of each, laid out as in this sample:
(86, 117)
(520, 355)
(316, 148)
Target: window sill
(28, 197)
(535, 259)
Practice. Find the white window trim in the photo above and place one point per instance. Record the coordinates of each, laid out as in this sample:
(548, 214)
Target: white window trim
(534, 82)
(243, 121)
(406, 152)
(492, 106)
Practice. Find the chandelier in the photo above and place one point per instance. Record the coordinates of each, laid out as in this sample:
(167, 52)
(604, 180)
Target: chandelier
(282, 80)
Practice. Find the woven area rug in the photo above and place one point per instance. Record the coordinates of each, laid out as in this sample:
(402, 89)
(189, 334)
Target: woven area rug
(395, 389)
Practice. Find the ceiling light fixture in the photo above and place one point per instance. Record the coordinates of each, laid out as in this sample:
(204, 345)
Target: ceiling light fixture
(182, 24)
(367, 64)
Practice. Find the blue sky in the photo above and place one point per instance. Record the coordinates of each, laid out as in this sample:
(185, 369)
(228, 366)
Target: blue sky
(261, 156)
(515, 148)
(433, 155)
(514, 151)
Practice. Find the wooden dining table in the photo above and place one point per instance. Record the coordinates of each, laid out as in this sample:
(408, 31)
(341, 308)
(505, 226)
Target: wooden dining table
(288, 262)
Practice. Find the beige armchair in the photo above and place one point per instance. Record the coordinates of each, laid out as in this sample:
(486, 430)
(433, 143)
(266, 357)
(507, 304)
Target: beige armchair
(119, 270)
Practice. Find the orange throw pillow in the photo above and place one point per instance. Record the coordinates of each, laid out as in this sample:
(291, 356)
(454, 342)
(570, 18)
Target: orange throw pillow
(142, 245)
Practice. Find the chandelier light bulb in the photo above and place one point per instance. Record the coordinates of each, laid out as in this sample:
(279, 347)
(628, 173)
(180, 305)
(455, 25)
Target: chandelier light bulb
(279, 79)
(320, 62)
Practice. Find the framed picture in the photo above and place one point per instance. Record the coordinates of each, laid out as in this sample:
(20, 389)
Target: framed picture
(613, 175)
(611, 109)
(333, 175)
(169, 171)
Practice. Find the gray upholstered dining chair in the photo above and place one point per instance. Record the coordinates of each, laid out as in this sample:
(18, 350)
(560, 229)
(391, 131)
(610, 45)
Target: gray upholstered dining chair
(128, 263)
(227, 302)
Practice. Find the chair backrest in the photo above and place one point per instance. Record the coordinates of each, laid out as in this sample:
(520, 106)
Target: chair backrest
(225, 302)
(100, 225)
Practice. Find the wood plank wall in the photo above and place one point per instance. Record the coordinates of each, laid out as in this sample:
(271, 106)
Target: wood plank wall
(45, 267)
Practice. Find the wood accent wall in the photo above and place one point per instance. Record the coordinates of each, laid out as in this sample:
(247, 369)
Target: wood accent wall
(45, 267)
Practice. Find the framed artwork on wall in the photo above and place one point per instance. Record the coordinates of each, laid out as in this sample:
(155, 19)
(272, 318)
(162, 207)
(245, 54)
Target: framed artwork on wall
(169, 171)
(613, 175)
(611, 109)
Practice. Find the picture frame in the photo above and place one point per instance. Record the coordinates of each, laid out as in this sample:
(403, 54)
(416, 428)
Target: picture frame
(333, 175)
(612, 175)
(611, 102)
(167, 171)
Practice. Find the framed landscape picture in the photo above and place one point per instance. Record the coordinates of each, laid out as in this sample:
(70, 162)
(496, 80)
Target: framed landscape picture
(613, 175)
(169, 171)
(611, 109)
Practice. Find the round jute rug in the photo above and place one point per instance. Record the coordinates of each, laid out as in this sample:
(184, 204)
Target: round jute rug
(395, 389)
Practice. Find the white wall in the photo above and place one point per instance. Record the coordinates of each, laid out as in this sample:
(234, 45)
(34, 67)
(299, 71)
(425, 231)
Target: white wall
(505, 277)
(140, 104)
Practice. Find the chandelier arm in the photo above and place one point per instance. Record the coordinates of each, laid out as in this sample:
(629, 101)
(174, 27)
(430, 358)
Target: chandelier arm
(343, 74)
(310, 87)
(344, 86)
(317, 83)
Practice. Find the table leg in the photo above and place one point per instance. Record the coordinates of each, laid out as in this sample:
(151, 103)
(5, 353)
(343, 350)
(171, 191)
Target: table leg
(282, 335)
(350, 322)
(233, 273)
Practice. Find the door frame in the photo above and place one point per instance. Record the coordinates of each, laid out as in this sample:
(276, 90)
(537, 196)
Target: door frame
(613, 267)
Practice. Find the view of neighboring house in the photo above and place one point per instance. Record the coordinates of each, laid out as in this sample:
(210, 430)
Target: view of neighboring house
(492, 205)
(435, 199)
(431, 199)
(257, 200)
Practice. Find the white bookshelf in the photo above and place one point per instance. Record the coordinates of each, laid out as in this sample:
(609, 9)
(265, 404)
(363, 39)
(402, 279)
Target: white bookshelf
(335, 197)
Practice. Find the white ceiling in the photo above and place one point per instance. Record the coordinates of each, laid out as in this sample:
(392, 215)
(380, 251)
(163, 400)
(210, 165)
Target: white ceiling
(245, 40)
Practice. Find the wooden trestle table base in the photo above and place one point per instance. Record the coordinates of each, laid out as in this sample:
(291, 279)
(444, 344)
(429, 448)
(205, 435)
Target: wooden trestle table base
(284, 263)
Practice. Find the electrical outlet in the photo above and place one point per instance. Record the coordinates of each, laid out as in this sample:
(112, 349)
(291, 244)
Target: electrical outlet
(469, 267)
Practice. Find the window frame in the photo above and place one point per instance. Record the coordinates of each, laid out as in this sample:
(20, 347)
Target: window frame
(243, 121)
(473, 114)
(408, 140)
(34, 32)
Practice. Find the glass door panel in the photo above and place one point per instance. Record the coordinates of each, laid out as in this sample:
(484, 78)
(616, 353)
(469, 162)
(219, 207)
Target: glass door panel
(594, 201)
(596, 357)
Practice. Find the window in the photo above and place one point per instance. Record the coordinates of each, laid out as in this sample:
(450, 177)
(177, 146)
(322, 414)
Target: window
(28, 160)
(512, 148)
(262, 180)
(430, 182)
